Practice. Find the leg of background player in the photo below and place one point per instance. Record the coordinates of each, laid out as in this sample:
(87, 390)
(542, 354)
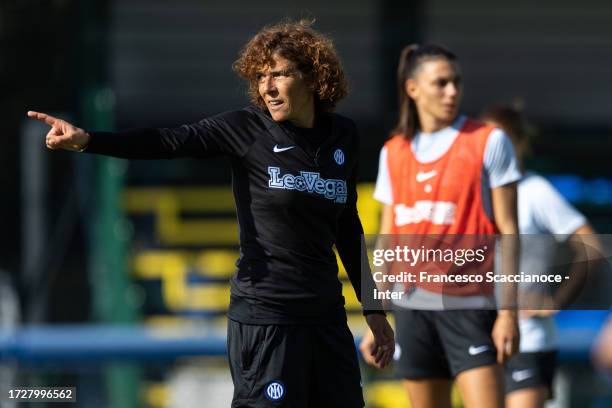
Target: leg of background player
(534, 397)
(482, 387)
(430, 393)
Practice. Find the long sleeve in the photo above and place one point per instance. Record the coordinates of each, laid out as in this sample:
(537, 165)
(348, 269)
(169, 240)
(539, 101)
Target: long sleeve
(145, 143)
(224, 134)
(349, 245)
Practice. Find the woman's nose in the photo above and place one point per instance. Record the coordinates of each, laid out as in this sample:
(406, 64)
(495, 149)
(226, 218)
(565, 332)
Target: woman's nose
(269, 85)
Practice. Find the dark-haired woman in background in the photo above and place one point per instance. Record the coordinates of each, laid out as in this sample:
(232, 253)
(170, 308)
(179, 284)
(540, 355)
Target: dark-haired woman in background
(542, 213)
(442, 173)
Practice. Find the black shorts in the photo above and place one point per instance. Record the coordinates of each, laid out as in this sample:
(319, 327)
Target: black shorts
(530, 370)
(442, 344)
(296, 366)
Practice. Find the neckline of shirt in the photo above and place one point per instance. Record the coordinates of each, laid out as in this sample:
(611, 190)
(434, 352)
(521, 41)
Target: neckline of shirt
(429, 147)
(309, 138)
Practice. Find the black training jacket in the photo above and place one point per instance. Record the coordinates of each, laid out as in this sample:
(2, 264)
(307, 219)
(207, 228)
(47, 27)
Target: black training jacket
(293, 204)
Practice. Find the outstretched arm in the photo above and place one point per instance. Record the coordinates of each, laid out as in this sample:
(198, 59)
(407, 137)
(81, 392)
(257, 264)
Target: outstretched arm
(220, 134)
(145, 143)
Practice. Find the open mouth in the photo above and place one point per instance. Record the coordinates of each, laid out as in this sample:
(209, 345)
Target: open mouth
(274, 104)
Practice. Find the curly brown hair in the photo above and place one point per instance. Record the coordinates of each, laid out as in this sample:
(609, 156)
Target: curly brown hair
(312, 52)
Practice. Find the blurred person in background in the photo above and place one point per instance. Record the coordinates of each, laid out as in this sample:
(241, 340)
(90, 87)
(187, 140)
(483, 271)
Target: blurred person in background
(10, 317)
(294, 173)
(542, 212)
(602, 350)
(442, 173)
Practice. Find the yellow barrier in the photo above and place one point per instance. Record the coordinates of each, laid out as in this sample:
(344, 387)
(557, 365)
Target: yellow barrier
(219, 229)
(172, 268)
(167, 204)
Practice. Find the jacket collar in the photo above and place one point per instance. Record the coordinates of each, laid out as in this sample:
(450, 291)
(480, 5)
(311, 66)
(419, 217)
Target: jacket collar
(281, 137)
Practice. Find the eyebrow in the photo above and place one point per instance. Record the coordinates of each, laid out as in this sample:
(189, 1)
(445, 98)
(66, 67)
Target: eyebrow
(447, 78)
(278, 71)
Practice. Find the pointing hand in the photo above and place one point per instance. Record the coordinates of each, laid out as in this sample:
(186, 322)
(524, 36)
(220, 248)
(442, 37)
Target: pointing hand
(62, 135)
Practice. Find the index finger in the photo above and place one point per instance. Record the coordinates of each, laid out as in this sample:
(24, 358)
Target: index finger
(501, 351)
(507, 350)
(500, 357)
(43, 117)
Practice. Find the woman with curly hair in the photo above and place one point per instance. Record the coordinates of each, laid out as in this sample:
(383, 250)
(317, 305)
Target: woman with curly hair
(294, 166)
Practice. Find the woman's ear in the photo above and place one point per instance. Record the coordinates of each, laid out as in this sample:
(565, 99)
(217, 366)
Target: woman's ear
(310, 83)
(411, 88)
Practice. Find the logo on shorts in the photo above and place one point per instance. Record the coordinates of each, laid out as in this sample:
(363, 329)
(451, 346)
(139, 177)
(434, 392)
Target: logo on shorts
(397, 353)
(522, 375)
(473, 350)
(274, 391)
(339, 156)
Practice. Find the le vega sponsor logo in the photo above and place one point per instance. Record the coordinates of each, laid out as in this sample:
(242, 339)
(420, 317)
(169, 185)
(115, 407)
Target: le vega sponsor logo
(308, 181)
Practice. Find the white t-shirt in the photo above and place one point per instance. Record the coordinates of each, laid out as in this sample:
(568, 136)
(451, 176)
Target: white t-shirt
(500, 167)
(543, 211)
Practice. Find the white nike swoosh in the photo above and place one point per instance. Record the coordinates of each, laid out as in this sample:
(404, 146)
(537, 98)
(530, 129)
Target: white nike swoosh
(477, 350)
(398, 352)
(281, 149)
(522, 375)
(423, 176)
